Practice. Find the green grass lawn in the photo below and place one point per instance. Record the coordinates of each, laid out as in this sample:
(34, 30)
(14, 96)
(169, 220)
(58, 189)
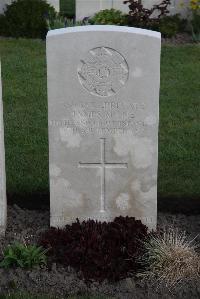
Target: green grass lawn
(25, 114)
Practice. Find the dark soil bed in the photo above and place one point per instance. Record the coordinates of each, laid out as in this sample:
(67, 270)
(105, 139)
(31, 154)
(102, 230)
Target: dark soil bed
(26, 225)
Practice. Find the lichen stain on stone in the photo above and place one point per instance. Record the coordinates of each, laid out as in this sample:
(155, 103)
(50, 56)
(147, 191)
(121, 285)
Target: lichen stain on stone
(68, 197)
(148, 182)
(109, 176)
(136, 186)
(122, 202)
(144, 201)
(140, 148)
(132, 200)
(67, 136)
(54, 170)
(150, 120)
(137, 73)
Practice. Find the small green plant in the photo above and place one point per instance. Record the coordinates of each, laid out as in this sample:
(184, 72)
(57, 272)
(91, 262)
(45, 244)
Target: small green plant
(193, 18)
(57, 23)
(71, 23)
(108, 17)
(62, 22)
(195, 26)
(170, 258)
(169, 26)
(23, 256)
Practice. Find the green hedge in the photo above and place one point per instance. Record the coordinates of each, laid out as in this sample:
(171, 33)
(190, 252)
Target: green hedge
(26, 18)
(68, 8)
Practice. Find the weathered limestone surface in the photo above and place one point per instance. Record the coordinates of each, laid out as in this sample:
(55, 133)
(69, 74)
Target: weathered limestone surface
(3, 203)
(103, 97)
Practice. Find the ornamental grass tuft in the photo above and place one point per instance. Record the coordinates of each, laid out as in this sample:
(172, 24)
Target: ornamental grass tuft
(170, 258)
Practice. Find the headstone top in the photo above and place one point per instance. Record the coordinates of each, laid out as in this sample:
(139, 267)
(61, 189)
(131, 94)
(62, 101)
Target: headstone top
(107, 28)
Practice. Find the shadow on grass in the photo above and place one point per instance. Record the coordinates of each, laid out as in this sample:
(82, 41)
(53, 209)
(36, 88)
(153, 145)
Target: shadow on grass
(41, 201)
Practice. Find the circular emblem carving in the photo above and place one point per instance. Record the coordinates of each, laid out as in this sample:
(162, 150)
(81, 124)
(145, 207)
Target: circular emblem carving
(103, 72)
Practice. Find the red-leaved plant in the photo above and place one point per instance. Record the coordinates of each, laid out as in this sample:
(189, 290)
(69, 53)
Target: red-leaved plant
(99, 250)
(143, 17)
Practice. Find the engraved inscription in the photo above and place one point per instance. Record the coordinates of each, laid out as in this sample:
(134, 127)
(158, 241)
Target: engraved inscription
(103, 165)
(103, 118)
(103, 72)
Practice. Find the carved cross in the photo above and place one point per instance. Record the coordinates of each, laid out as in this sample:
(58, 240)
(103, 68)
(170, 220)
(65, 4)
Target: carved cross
(103, 165)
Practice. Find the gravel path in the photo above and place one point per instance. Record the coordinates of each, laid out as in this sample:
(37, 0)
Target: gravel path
(28, 225)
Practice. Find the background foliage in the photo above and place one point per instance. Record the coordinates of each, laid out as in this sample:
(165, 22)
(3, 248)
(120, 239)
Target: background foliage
(109, 17)
(67, 8)
(195, 22)
(155, 18)
(26, 18)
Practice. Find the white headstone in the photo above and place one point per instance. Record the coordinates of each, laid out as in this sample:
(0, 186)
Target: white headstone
(103, 97)
(3, 203)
